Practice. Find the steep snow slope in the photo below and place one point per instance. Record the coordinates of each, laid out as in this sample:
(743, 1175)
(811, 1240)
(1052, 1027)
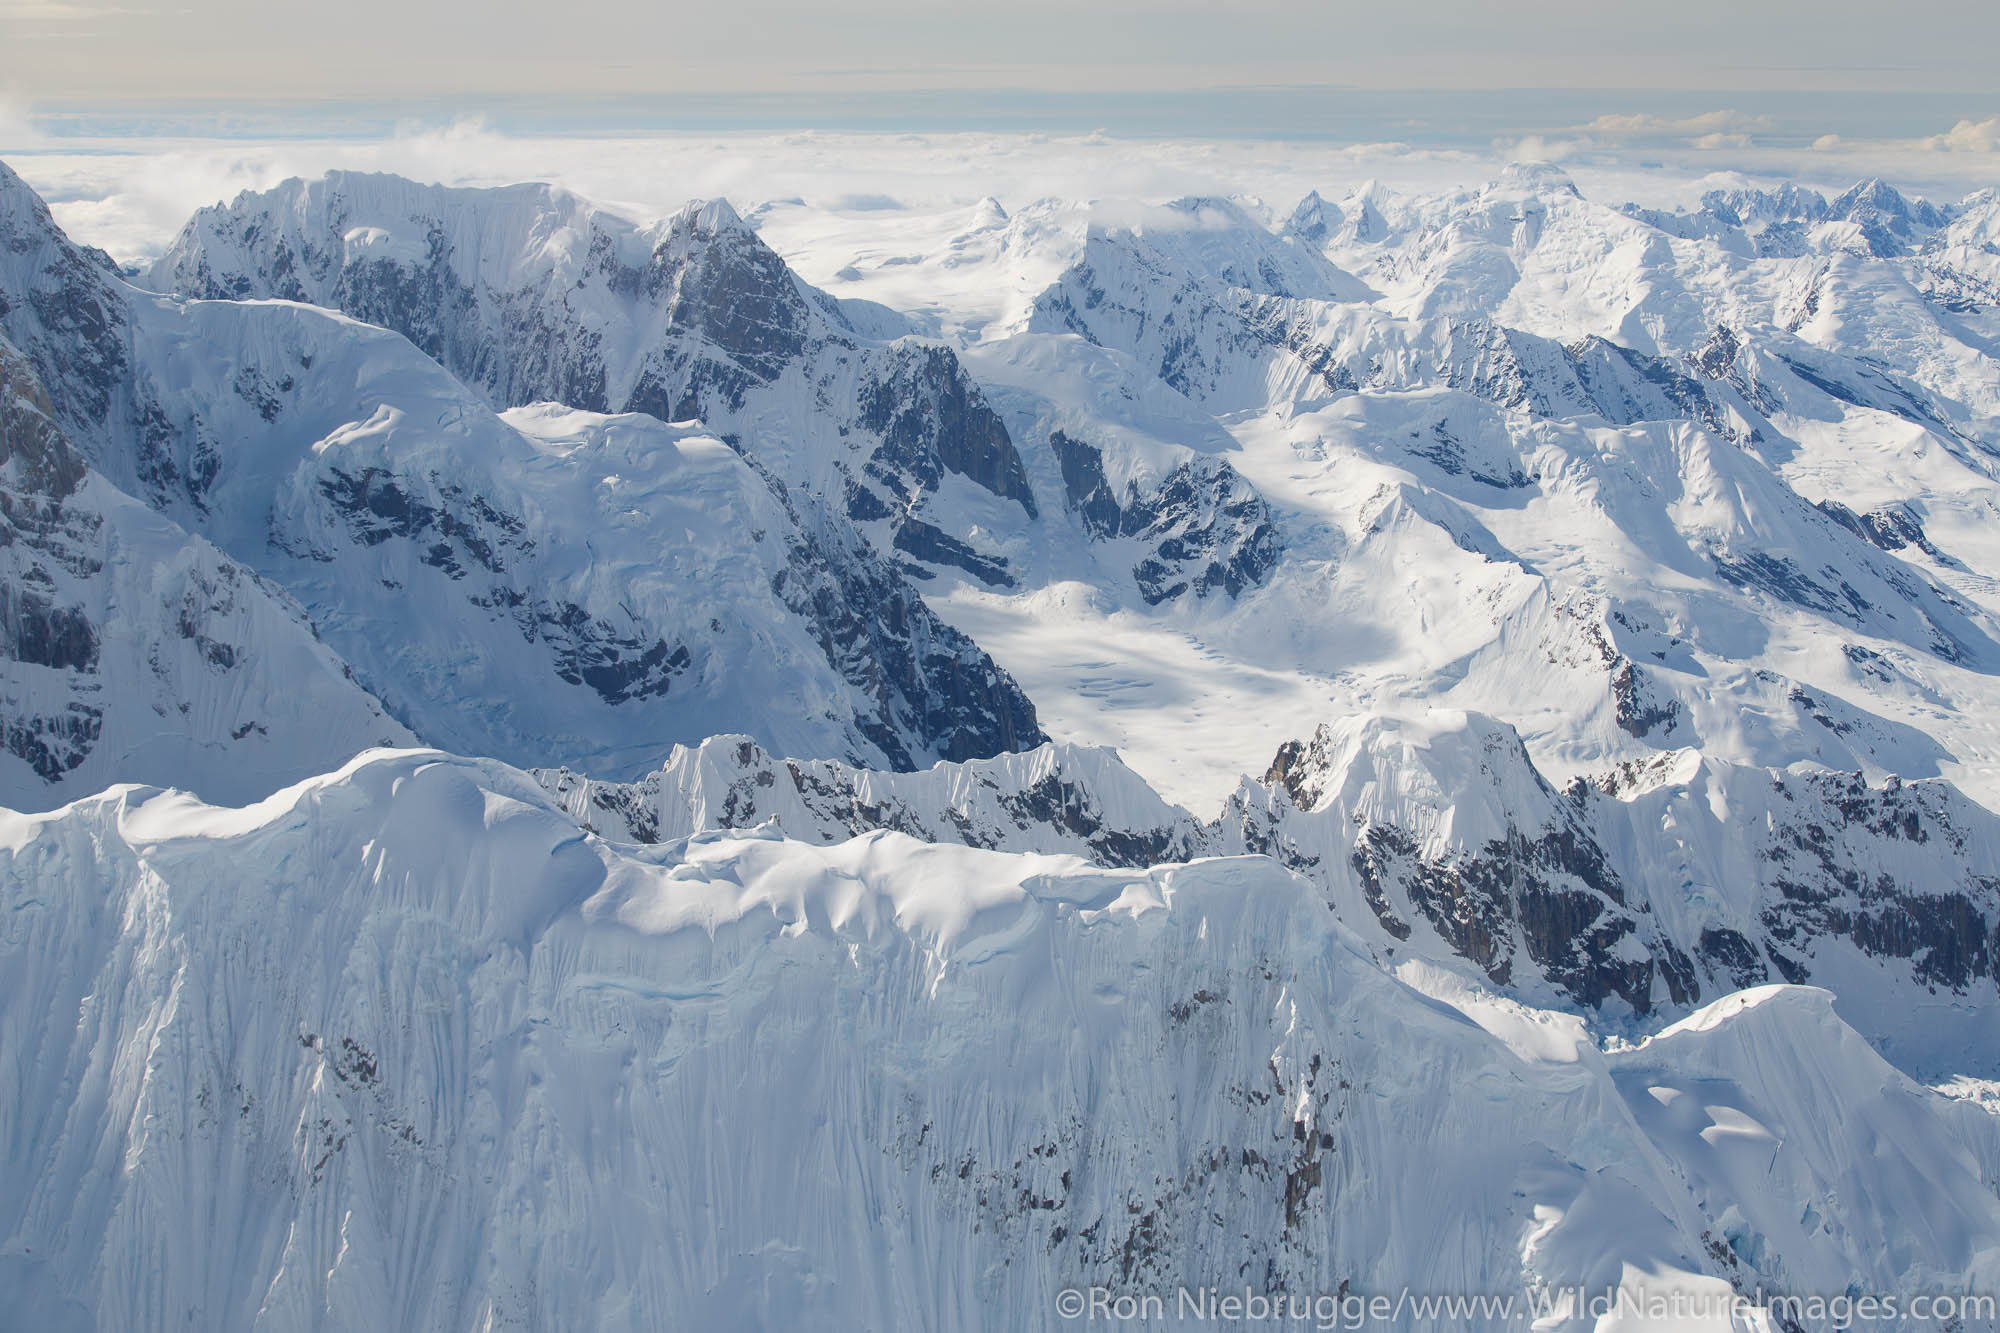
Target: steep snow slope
(130, 650)
(425, 1057)
(565, 587)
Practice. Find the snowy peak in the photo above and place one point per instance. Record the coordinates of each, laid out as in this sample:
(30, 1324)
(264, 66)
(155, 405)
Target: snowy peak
(1473, 765)
(1313, 221)
(530, 296)
(1870, 217)
(1679, 879)
(1532, 179)
(603, 575)
(716, 215)
(63, 307)
(1442, 830)
(1217, 242)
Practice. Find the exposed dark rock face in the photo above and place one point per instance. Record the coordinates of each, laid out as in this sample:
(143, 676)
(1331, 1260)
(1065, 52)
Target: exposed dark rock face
(928, 680)
(68, 318)
(722, 284)
(1639, 713)
(1204, 528)
(46, 543)
(1627, 387)
(1892, 528)
(1825, 863)
(932, 419)
(1548, 892)
(33, 452)
(1716, 358)
(460, 534)
(1053, 798)
(1447, 453)
(927, 543)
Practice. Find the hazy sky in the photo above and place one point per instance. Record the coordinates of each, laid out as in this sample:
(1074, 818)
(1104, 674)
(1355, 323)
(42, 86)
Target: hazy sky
(84, 52)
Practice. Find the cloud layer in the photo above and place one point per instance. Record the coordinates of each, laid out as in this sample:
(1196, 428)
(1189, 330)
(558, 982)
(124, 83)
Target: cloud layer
(131, 195)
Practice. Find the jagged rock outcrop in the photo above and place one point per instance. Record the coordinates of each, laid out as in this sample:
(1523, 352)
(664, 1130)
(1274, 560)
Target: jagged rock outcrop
(1202, 528)
(1055, 798)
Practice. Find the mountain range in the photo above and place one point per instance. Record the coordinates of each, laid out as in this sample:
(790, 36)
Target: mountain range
(568, 775)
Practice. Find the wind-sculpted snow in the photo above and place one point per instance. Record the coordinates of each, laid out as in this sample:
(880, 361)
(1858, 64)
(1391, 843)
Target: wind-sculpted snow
(401, 1048)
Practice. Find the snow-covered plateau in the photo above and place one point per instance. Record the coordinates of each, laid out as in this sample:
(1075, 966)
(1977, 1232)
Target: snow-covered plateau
(1003, 766)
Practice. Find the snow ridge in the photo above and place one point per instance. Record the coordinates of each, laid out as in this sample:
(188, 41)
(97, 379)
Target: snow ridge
(515, 1148)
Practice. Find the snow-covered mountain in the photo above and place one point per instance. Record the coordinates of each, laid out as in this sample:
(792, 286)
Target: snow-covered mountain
(1649, 892)
(1547, 441)
(131, 650)
(555, 584)
(528, 294)
(1507, 802)
(431, 1059)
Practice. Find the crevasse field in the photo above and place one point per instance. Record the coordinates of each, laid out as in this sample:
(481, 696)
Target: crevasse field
(992, 732)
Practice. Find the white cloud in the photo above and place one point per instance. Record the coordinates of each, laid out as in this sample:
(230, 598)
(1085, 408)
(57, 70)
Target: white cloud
(1707, 124)
(131, 195)
(1710, 142)
(1968, 136)
(1537, 148)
